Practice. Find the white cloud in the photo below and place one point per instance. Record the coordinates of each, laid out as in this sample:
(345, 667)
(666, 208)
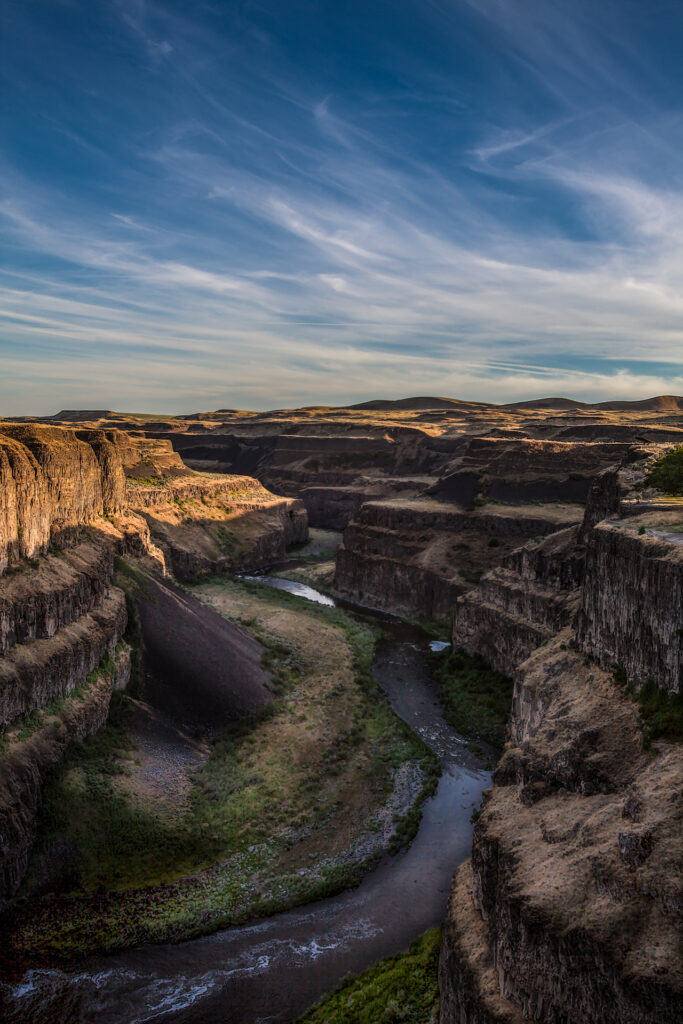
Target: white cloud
(331, 263)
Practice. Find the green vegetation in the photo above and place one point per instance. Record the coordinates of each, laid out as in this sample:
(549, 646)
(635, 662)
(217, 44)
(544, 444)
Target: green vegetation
(266, 819)
(399, 990)
(145, 481)
(660, 712)
(476, 698)
(27, 725)
(406, 826)
(441, 630)
(666, 474)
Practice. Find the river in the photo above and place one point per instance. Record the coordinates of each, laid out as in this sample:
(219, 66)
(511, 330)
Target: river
(273, 969)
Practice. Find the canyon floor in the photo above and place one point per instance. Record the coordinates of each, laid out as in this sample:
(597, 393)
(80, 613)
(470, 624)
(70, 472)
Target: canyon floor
(194, 736)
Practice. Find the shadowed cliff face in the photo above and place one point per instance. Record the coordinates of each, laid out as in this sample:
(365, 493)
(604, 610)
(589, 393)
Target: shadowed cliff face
(69, 502)
(416, 557)
(205, 671)
(631, 612)
(571, 906)
(573, 876)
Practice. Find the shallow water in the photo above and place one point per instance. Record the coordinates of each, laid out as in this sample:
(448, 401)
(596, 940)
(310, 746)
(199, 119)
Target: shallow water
(273, 969)
(293, 587)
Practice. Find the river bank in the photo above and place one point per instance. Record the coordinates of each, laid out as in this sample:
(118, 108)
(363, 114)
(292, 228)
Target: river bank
(393, 905)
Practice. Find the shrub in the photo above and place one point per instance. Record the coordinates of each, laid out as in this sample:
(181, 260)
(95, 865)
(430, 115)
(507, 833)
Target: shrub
(399, 990)
(475, 697)
(666, 474)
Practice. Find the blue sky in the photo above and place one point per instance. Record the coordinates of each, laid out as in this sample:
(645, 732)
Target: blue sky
(260, 204)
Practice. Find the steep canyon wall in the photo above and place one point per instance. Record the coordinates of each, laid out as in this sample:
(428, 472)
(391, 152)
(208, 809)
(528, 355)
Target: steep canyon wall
(70, 501)
(570, 908)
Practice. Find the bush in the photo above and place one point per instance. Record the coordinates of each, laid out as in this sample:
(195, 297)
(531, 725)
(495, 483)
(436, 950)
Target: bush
(475, 697)
(666, 474)
(399, 990)
(661, 713)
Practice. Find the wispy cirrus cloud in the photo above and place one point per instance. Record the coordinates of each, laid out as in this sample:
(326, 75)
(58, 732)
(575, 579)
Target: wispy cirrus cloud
(269, 232)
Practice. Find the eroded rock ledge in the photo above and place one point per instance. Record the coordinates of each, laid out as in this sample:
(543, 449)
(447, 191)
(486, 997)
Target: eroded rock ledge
(416, 556)
(70, 500)
(570, 910)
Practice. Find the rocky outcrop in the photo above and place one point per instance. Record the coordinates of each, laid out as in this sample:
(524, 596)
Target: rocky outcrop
(39, 671)
(42, 596)
(631, 613)
(571, 909)
(27, 761)
(468, 984)
(523, 470)
(54, 480)
(49, 482)
(69, 502)
(523, 603)
(415, 557)
(574, 864)
(218, 524)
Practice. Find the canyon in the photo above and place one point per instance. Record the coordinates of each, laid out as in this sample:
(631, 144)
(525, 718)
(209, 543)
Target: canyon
(529, 537)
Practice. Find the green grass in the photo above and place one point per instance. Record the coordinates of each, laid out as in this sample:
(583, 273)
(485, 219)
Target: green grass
(476, 698)
(145, 481)
(439, 630)
(134, 874)
(120, 842)
(27, 725)
(666, 474)
(399, 990)
(661, 713)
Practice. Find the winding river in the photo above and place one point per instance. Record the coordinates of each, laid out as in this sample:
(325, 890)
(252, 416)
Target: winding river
(273, 969)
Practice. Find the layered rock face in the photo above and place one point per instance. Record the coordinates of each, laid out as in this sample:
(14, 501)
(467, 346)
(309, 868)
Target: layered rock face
(54, 481)
(62, 620)
(631, 613)
(524, 470)
(335, 474)
(61, 628)
(415, 557)
(522, 603)
(50, 481)
(28, 760)
(570, 909)
(575, 860)
(215, 523)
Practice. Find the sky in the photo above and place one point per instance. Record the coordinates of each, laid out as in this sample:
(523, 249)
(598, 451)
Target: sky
(263, 204)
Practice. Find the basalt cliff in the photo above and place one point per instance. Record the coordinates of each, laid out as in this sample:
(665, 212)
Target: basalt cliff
(71, 500)
(528, 531)
(570, 907)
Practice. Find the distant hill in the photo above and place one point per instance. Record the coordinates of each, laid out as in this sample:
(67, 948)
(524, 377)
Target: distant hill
(419, 404)
(662, 403)
(548, 403)
(73, 415)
